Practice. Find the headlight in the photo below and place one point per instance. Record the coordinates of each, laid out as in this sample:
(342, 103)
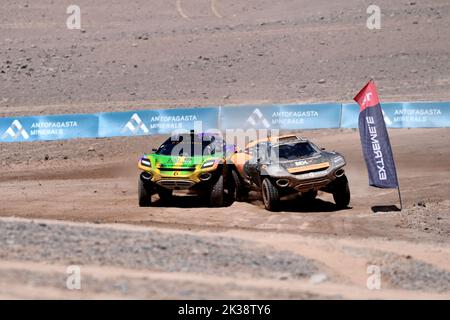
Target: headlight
(146, 162)
(208, 164)
(339, 161)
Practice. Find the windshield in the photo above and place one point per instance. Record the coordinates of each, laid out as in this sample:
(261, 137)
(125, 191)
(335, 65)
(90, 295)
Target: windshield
(294, 151)
(189, 148)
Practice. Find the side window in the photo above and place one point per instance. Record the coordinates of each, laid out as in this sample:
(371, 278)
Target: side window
(250, 151)
(261, 151)
(208, 150)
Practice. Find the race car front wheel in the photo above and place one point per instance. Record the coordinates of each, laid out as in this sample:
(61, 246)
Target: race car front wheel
(341, 192)
(216, 195)
(270, 194)
(145, 197)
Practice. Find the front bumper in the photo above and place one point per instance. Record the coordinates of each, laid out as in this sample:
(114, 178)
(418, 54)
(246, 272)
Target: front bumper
(308, 181)
(178, 178)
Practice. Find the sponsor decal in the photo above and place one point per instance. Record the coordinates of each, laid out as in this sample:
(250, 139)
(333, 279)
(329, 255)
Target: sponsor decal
(301, 163)
(292, 117)
(387, 120)
(15, 130)
(51, 128)
(415, 115)
(375, 139)
(170, 122)
(135, 124)
(257, 118)
(376, 148)
(324, 165)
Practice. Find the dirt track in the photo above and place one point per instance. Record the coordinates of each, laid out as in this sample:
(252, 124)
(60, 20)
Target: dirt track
(100, 186)
(142, 57)
(343, 243)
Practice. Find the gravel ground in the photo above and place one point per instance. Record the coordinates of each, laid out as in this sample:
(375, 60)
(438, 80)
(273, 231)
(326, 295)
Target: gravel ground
(145, 54)
(147, 250)
(411, 274)
(129, 262)
(405, 272)
(126, 287)
(140, 55)
(431, 217)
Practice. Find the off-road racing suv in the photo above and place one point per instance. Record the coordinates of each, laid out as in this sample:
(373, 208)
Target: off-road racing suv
(191, 162)
(279, 166)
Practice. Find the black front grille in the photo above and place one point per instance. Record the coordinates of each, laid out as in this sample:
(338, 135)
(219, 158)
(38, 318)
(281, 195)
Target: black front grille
(311, 184)
(175, 184)
(177, 169)
(309, 171)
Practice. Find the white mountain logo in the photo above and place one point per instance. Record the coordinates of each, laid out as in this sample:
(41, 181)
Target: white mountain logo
(257, 118)
(135, 124)
(387, 120)
(15, 130)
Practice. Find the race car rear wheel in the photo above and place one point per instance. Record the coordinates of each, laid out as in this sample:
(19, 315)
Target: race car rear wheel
(341, 192)
(217, 193)
(145, 197)
(270, 194)
(165, 195)
(241, 194)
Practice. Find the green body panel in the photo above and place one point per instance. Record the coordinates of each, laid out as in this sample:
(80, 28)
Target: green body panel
(171, 167)
(179, 162)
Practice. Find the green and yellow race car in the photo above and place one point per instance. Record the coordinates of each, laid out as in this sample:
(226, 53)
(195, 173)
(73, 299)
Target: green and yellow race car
(191, 162)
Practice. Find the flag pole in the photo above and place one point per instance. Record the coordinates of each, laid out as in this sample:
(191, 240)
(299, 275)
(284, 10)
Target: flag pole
(400, 197)
(369, 103)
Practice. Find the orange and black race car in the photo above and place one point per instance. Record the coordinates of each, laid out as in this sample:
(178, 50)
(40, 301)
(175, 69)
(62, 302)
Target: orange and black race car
(279, 166)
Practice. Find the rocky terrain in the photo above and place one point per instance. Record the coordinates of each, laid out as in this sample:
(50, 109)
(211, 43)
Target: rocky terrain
(74, 202)
(148, 55)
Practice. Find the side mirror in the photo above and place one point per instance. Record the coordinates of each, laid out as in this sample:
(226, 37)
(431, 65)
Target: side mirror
(323, 149)
(154, 149)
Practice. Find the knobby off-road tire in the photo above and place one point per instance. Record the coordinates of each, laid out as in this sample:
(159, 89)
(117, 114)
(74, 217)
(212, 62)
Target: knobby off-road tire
(270, 194)
(216, 196)
(145, 197)
(341, 192)
(241, 194)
